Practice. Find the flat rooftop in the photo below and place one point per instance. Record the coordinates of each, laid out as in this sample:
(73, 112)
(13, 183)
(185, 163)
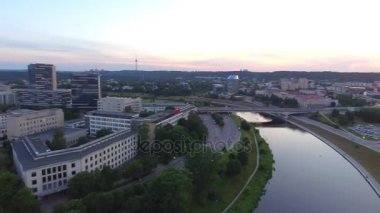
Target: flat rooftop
(113, 114)
(30, 158)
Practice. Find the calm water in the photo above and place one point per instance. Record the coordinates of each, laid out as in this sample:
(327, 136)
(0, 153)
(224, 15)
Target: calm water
(311, 177)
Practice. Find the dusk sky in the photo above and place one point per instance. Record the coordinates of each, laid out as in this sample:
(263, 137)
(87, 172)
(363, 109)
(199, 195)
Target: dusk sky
(194, 35)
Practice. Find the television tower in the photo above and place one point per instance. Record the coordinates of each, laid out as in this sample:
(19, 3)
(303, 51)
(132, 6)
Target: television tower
(136, 63)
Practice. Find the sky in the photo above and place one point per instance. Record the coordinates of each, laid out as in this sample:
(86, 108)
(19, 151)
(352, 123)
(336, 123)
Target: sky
(192, 35)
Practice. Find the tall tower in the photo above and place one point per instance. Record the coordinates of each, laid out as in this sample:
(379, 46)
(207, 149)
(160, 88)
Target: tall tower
(42, 76)
(136, 64)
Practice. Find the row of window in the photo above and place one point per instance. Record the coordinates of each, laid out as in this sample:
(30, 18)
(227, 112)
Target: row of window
(53, 185)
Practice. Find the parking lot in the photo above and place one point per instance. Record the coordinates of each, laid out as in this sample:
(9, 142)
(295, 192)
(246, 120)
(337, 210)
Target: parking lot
(220, 137)
(367, 130)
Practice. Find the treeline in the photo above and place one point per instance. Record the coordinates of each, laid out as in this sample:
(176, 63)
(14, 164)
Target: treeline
(370, 115)
(276, 101)
(350, 101)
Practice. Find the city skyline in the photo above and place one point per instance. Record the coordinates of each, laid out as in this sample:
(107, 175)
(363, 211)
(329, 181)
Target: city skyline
(196, 35)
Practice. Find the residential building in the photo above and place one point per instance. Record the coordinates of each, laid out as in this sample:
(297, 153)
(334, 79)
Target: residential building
(288, 84)
(303, 83)
(116, 121)
(86, 90)
(36, 97)
(119, 104)
(49, 172)
(7, 97)
(26, 122)
(233, 84)
(42, 76)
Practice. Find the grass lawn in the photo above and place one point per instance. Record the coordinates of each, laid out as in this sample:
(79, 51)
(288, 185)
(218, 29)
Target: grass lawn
(368, 158)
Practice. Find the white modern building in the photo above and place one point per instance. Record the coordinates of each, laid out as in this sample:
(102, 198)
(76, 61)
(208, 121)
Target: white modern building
(116, 121)
(49, 172)
(26, 122)
(158, 107)
(119, 104)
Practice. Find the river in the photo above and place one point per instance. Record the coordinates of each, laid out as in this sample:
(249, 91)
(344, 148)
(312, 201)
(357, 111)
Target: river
(310, 176)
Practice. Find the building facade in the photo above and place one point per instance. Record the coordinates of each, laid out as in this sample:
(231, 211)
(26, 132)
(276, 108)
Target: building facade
(26, 122)
(86, 90)
(3, 125)
(158, 107)
(116, 121)
(7, 97)
(49, 172)
(119, 104)
(42, 76)
(35, 97)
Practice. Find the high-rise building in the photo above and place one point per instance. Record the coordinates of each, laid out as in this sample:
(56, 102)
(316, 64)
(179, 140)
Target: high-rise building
(85, 89)
(303, 83)
(42, 76)
(38, 97)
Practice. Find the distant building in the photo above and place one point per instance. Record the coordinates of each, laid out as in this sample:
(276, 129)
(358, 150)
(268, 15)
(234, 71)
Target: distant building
(76, 123)
(7, 97)
(46, 172)
(26, 122)
(116, 121)
(42, 76)
(86, 90)
(119, 104)
(233, 84)
(303, 83)
(35, 97)
(288, 84)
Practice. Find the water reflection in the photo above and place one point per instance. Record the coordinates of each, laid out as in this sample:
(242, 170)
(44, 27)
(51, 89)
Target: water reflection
(311, 177)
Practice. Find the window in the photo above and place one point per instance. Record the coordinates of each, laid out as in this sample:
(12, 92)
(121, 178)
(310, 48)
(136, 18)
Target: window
(86, 160)
(54, 169)
(48, 170)
(73, 173)
(44, 180)
(34, 182)
(49, 178)
(59, 175)
(64, 174)
(33, 174)
(59, 168)
(64, 167)
(72, 165)
(34, 190)
(54, 177)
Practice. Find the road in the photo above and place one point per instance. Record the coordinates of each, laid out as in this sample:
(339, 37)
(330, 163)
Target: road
(220, 137)
(349, 136)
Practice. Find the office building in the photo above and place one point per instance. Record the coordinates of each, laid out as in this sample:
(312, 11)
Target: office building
(233, 84)
(48, 172)
(35, 97)
(26, 122)
(7, 97)
(86, 90)
(116, 121)
(71, 136)
(120, 104)
(42, 76)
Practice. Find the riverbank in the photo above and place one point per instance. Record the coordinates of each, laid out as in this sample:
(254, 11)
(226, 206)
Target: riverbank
(365, 160)
(249, 198)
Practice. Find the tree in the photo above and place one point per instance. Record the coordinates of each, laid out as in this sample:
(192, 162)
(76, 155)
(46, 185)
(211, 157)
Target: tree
(128, 109)
(81, 185)
(169, 192)
(242, 156)
(245, 125)
(204, 166)
(233, 167)
(335, 113)
(59, 141)
(82, 140)
(135, 169)
(103, 132)
(14, 196)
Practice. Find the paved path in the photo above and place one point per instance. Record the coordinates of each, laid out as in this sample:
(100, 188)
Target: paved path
(366, 175)
(220, 137)
(249, 179)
